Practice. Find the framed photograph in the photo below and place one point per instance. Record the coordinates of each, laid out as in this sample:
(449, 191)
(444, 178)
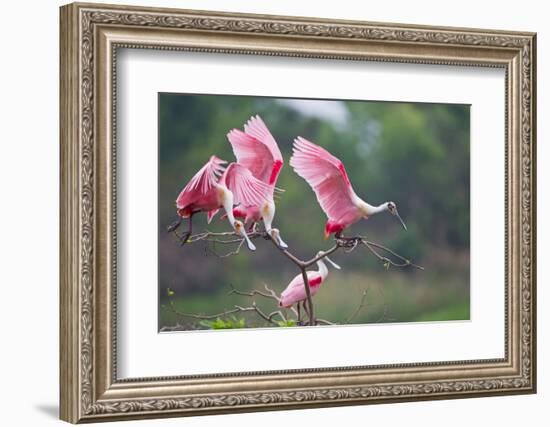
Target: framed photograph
(267, 212)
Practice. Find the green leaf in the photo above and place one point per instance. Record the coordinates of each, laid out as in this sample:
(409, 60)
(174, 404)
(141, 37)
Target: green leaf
(286, 324)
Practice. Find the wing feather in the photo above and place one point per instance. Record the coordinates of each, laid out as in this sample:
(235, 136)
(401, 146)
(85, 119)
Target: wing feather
(256, 149)
(202, 182)
(247, 190)
(327, 177)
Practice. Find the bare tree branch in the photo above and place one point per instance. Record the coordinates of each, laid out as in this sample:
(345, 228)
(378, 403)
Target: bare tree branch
(323, 322)
(234, 252)
(347, 244)
(254, 292)
(326, 253)
(225, 238)
(405, 262)
(270, 294)
(350, 243)
(286, 252)
(225, 313)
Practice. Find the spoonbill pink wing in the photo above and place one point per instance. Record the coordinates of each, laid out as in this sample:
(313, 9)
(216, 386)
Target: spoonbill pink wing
(247, 190)
(202, 182)
(256, 149)
(327, 177)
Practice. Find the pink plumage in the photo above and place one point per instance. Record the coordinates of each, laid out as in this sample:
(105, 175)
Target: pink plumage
(257, 150)
(295, 291)
(201, 193)
(329, 180)
(247, 190)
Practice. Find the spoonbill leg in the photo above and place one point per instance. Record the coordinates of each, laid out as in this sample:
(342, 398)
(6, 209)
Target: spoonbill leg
(304, 303)
(172, 227)
(185, 236)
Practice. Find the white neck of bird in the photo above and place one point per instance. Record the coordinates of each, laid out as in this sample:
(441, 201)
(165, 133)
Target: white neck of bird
(323, 270)
(368, 209)
(226, 199)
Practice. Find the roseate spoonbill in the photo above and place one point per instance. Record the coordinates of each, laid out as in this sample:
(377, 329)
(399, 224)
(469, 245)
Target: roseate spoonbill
(214, 187)
(257, 150)
(295, 292)
(327, 177)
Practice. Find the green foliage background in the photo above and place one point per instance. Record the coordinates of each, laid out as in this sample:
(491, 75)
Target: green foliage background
(414, 154)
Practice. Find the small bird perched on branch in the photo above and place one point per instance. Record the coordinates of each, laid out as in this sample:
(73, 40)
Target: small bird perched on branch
(327, 177)
(295, 292)
(214, 187)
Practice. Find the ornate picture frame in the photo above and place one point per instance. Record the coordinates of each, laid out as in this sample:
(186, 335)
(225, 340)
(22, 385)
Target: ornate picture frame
(90, 37)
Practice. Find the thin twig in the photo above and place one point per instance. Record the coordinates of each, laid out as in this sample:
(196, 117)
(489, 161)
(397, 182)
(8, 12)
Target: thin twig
(218, 237)
(406, 262)
(252, 293)
(285, 252)
(225, 313)
(323, 322)
(254, 307)
(270, 293)
(359, 308)
(323, 255)
(234, 252)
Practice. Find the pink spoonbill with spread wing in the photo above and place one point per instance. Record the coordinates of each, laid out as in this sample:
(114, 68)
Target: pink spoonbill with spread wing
(327, 177)
(257, 150)
(295, 292)
(214, 187)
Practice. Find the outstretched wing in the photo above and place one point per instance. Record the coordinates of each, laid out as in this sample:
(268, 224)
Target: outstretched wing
(247, 190)
(256, 149)
(327, 177)
(203, 181)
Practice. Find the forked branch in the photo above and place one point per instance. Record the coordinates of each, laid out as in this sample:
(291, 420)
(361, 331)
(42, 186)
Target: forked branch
(348, 244)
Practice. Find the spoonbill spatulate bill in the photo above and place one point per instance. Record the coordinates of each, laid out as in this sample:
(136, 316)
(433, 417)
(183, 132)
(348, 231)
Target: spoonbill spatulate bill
(257, 150)
(327, 176)
(214, 187)
(295, 292)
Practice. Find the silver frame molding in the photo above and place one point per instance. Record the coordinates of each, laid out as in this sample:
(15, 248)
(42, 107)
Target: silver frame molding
(90, 37)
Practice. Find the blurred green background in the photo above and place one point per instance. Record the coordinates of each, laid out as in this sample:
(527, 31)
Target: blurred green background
(414, 154)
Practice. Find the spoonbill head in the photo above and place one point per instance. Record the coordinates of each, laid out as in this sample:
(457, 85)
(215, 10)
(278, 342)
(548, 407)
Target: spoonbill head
(328, 178)
(226, 200)
(392, 208)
